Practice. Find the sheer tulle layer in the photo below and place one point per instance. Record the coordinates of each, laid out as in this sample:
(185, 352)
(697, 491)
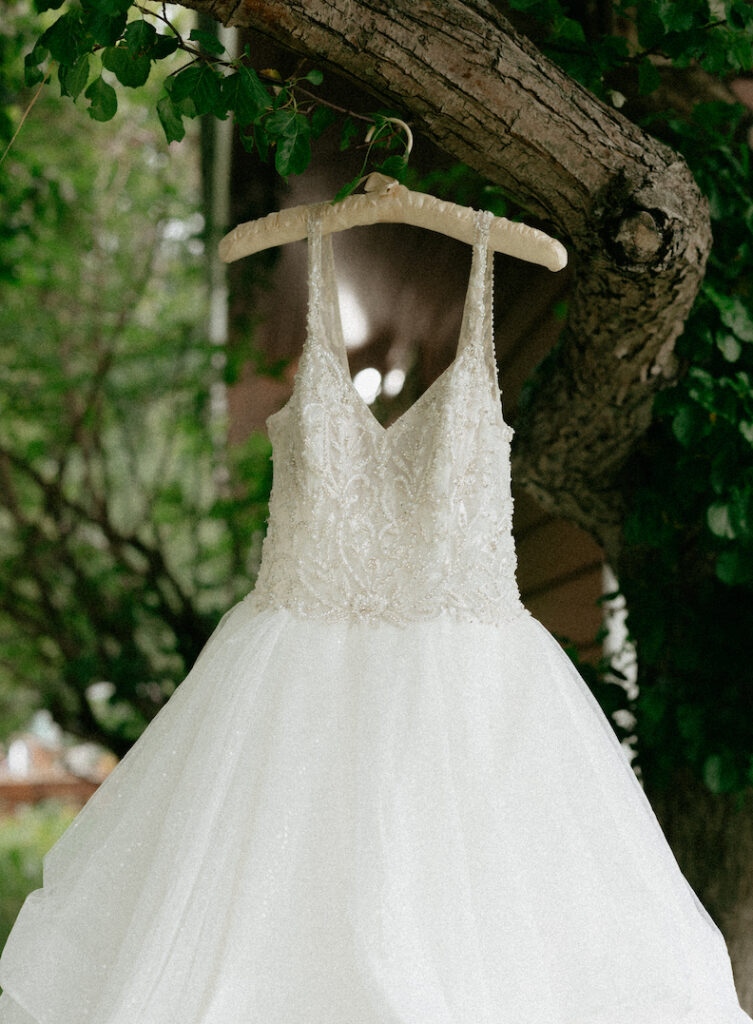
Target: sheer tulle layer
(359, 824)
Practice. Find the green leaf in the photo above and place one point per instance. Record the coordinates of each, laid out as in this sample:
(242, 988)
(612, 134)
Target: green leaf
(244, 94)
(723, 469)
(73, 77)
(37, 449)
(733, 312)
(47, 5)
(718, 520)
(254, 93)
(164, 46)
(394, 167)
(183, 84)
(739, 12)
(346, 190)
(609, 51)
(560, 308)
(207, 40)
(734, 567)
(140, 38)
(729, 346)
(130, 71)
(109, 7)
(105, 28)
(321, 119)
(171, 119)
(247, 140)
(569, 30)
(262, 142)
(32, 72)
(294, 149)
(33, 75)
(202, 84)
(648, 78)
(653, 703)
(63, 38)
(740, 52)
(690, 723)
(103, 100)
(208, 93)
(687, 425)
(746, 429)
(675, 17)
(713, 773)
(281, 98)
(281, 123)
(702, 388)
(350, 131)
(650, 27)
(315, 76)
(738, 318)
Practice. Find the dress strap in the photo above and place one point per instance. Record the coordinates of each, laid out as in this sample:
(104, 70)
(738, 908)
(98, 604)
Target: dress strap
(477, 330)
(487, 328)
(324, 321)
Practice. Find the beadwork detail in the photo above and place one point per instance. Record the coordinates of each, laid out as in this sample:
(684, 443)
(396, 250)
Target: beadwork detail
(399, 523)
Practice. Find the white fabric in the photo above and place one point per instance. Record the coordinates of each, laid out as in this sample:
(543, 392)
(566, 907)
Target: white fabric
(343, 819)
(400, 523)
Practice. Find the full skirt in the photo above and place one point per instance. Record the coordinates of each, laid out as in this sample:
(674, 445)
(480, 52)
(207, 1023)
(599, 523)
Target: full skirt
(343, 823)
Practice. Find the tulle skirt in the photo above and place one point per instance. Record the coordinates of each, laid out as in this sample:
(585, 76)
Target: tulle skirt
(359, 824)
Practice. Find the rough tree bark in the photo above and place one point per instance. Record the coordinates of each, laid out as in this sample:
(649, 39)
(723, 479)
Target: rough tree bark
(712, 836)
(627, 207)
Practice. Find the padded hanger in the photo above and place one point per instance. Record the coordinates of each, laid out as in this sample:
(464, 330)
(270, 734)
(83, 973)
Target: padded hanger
(387, 201)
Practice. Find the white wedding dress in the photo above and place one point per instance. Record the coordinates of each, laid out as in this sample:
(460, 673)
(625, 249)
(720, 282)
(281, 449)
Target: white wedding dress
(383, 794)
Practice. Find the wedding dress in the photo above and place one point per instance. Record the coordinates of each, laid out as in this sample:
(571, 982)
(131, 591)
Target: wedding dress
(383, 794)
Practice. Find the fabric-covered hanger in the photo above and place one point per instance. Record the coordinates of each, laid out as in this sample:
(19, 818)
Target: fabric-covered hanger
(387, 201)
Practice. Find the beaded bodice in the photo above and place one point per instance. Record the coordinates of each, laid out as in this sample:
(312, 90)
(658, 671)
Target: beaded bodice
(396, 523)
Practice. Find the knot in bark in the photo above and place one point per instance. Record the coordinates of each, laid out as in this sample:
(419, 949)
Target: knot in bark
(638, 238)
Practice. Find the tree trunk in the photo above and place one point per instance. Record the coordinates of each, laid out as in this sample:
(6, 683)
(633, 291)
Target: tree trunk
(712, 837)
(628, 208)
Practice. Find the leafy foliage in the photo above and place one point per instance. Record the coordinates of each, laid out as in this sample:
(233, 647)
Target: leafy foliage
(125, 531)
(25, 838)
(689, 487)
(716, 35)
(278, 118)
(687, 569)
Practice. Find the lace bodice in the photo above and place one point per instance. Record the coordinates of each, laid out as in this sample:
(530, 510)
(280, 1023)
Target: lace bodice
(394, 523)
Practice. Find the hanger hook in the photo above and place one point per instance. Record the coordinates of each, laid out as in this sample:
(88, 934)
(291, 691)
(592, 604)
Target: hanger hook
(398, 121)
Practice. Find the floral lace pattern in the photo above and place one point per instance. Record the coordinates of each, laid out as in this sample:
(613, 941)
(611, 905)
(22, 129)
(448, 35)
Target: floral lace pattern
(398, 523)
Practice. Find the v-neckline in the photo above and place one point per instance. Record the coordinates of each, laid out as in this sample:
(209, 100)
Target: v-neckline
(340, 359)
(385, 430)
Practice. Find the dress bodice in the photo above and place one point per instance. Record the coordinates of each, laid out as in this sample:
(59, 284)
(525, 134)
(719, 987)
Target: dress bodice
(395, 523)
